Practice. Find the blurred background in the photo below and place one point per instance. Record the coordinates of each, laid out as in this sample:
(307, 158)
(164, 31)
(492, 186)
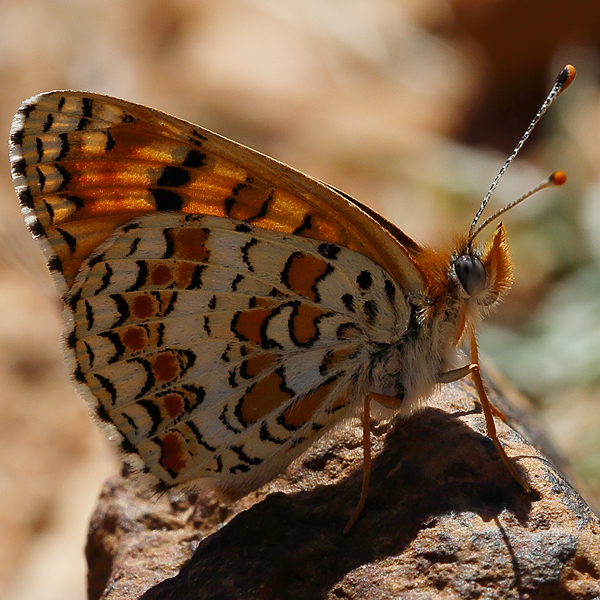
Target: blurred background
(411, 106)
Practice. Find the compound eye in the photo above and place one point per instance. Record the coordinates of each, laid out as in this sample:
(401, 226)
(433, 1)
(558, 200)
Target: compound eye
(471, 273)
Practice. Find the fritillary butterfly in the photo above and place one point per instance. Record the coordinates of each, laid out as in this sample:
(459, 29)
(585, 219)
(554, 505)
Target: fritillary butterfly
(224, 310)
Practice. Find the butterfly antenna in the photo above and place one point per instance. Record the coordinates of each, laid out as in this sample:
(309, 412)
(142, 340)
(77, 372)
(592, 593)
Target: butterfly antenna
(563, 81)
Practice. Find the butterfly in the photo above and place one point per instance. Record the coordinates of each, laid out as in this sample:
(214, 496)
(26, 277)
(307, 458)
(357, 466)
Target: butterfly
(223, 310)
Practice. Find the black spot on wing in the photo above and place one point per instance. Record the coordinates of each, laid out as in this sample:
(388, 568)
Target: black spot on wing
(199, 136)
(86, 107)
(390, 290)
(90, 353)
(166, 199)
(83, 123)
(102, 414)
(72, 298)
(169, 243)
(105, 280)
(225, 355)
(329, 269)
(194, 159)
(173, 177)
(130, 226)
(161, 335)
(236, 280)
(329, 251)
(347, 330)
(240, 468)
(16, 137)
(39, 148)
(232, 379)
(348, 302)
(36, 229)
(110, 142)
(19, 168)
(78, 375)
(171, 305)
(224, 418)
(89, 314)
(69, 239)
(371, 310)
(231, 200)
(245, 249)
(66, 177)
(304, 226)
(114, 339)
(326, 362)
(27, 108)
(127, 447)
(131, 422)
(196, 280)
(25, 198)
(266, 436)
(64, 146)
(198, 436)
(95, 259)
(76, 201)
(364, 280)
(48, 123)
(108, 386)
(41, 179)
(133, 247)
(55, 264)
(264, 207)
(153, 412)
(150, 379)
(71, 340)
(122, 308)
(250, 460)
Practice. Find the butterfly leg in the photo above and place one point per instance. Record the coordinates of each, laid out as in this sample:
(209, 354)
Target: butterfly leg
(497, 412)
(491, 428)
(388, 402)
(366, 463)
(456, 374)
(488, 409)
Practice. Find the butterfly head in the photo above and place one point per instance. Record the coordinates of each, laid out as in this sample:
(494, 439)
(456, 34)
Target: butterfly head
(473, 282)
(484, 275)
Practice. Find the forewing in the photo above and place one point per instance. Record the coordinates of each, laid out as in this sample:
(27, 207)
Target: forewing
(85, 164)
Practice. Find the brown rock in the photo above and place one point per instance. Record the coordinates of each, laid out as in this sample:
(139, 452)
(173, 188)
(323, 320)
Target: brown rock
(444, 519)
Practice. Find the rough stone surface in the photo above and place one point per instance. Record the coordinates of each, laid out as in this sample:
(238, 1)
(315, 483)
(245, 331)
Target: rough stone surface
(444, 519)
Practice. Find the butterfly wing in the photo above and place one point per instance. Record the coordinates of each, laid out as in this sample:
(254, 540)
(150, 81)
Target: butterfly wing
(224, 309)
(219, 349)
(84, 164)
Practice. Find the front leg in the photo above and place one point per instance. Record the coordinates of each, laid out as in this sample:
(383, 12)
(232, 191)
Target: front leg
(488, 408)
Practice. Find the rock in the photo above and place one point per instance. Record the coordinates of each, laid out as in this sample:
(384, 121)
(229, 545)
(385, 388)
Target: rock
(444, 518)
